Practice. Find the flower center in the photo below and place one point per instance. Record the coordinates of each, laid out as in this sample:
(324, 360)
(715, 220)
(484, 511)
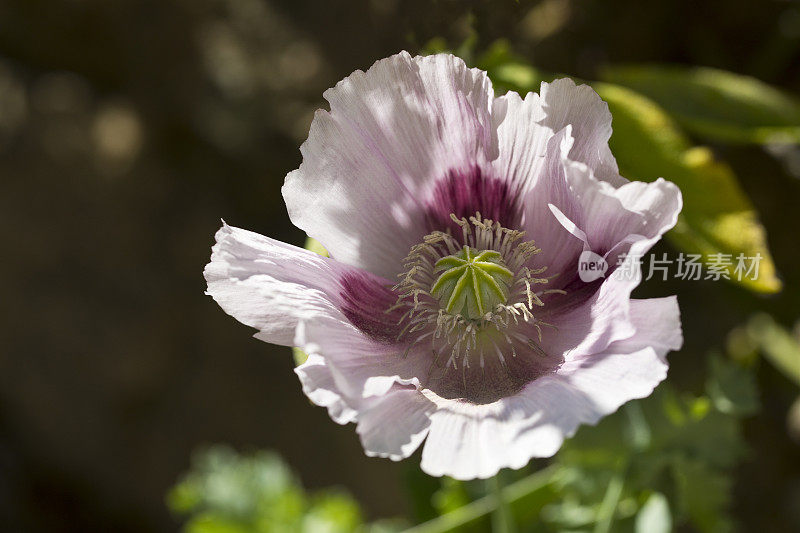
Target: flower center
(466, 302)
(472, 283)
(466, 296)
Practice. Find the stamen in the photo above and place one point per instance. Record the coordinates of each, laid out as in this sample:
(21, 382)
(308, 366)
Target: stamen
(467, 297)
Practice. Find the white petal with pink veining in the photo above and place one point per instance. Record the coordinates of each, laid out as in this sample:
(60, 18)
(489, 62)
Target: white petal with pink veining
(391, 132)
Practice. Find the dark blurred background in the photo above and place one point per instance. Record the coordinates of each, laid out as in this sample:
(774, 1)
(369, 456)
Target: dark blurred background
(128, 128)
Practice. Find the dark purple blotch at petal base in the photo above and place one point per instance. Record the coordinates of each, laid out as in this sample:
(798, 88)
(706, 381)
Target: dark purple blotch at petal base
(464, 192)
(366, 301)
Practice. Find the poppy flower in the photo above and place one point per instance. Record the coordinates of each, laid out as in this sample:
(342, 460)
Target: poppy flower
(451, 309)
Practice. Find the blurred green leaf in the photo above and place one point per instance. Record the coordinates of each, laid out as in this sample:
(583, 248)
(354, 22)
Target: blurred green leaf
(437, 45)
(508, 71)
(732, 388)
(230, 493)
(654, 516)
(184, 497)
(570, 514)
(704, 494)
(715, 104)
(452, 495)
(717, 216)
(740, 346)
(332, 513)
(700, 431)
(213, 523)
(777, 345)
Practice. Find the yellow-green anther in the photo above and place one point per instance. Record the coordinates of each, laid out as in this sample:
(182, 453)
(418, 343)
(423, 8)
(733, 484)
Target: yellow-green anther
(471, 283)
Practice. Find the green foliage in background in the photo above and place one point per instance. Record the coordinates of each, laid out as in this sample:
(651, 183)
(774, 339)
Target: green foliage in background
(776, 344)
(226, 492)
(714, 104)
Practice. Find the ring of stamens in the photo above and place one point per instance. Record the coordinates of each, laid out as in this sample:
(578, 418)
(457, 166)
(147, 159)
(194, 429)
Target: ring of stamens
(473, 323)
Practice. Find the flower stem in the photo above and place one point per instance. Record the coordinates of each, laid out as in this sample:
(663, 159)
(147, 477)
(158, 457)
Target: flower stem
(608, 508)
(502, 521)
(518, 494)
(639, 435)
